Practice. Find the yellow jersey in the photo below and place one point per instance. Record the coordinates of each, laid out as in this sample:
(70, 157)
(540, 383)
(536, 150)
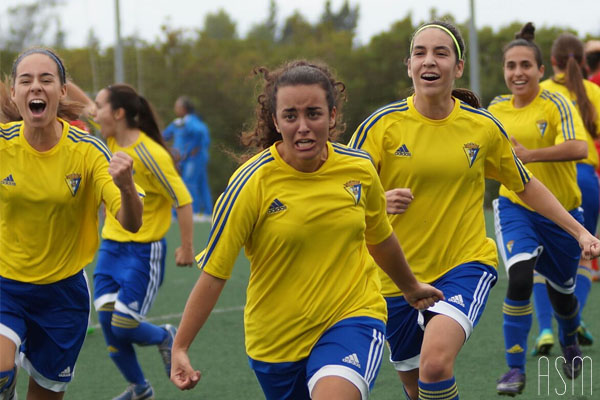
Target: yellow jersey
(49, 203)
(548, 120)
(444, 163)
(593, 92)
(153, 171)
(305, 235)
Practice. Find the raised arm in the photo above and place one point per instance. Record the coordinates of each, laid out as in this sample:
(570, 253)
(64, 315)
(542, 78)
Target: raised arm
(538, 197)
(130, 213)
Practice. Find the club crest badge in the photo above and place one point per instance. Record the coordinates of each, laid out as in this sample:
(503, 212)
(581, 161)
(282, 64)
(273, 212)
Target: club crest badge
(509, 245)
(471, 150)
(541, 125)
(73, 181)
(354, 188)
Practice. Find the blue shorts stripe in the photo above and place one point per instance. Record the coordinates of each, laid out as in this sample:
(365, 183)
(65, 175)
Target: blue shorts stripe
(375, 354)
(156, 254)
(481, 292)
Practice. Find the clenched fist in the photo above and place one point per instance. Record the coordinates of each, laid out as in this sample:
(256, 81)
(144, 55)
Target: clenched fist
(121, 170)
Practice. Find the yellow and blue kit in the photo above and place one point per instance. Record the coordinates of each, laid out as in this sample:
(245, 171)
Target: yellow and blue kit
(130, 265)
(444, 163)
(305, 235)
(49, 228)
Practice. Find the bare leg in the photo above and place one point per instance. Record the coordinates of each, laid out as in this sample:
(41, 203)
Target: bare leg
(443, 339)
(36, 392)
(335, 388)
(410, 380)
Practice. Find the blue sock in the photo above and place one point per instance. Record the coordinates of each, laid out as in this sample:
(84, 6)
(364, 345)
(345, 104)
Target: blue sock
(6, 379)
(444, 390)
(121, 352)
(567, 327)
(517, 323)
(142, 333)
(541, 302)
(583, 285)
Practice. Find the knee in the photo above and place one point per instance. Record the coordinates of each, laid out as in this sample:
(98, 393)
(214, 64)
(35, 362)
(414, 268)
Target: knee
(435, 368)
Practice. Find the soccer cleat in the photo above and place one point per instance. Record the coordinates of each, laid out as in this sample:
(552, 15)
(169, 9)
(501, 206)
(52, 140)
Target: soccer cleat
(543, 343)
(137, 392)
(511, 383)
(165, 347)
(584, 336)
(573, 362)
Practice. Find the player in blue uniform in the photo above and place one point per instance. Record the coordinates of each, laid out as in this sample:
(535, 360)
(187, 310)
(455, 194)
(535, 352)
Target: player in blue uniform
(191, 142)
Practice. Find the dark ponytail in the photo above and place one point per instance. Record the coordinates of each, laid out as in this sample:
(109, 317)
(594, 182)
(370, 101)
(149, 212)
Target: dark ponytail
(567, 51)
(467, 96)
(138, 111)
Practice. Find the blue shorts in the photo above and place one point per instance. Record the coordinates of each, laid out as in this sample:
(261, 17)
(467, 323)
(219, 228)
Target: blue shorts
(129, 275)
(351, 349)
(587, 179)
(523, 234)
(48, 324)
(466, 289)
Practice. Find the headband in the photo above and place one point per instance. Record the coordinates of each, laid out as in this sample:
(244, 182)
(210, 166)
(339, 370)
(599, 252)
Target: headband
(54, 57)
(442, 28)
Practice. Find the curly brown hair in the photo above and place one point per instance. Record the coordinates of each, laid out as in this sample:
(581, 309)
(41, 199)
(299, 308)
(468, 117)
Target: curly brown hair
(297, 72)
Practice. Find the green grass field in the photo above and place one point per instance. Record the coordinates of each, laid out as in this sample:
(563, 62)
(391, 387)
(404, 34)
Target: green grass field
(218, 351)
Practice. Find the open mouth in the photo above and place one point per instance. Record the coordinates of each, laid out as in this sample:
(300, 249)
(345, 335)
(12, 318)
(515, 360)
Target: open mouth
(430, 77)
(37, 107)
(304, 143)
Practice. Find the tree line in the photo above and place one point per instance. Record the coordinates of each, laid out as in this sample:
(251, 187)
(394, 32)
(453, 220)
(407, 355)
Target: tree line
(213, 66)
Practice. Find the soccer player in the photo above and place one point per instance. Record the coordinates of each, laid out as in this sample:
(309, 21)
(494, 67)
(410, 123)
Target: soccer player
(433, 151)
(308, 212)
(54, 178)
(191, 141)
(548, 135)
(131, 266)
(567, 61)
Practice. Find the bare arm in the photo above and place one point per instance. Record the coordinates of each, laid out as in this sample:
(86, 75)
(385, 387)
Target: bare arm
(390, 257)
(199, 305)
(570, 150)
(75, 93)
(130, 213)
(538, 197)
(184, 254)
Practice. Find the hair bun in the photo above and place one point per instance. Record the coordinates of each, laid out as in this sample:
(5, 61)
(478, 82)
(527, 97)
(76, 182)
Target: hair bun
(527, 32)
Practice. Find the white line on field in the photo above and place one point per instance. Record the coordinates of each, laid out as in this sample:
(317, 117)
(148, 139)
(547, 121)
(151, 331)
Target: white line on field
(178, 315)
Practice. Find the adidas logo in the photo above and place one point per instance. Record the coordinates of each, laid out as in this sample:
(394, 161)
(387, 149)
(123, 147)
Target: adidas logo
(8, 181)
(276, 206)
(65, 373)
(457, 299)
(569, 282)
(403, 151)
(515, 349)
(352, 359)
(134, 305)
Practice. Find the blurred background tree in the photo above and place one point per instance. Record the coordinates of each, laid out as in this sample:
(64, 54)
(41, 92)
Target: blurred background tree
(214, 65)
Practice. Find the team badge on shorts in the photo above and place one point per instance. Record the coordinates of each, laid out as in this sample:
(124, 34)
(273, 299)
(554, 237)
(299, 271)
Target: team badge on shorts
(471, 149)
(509, 245)
(73, 181)
(541, 124)
(355, 190)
